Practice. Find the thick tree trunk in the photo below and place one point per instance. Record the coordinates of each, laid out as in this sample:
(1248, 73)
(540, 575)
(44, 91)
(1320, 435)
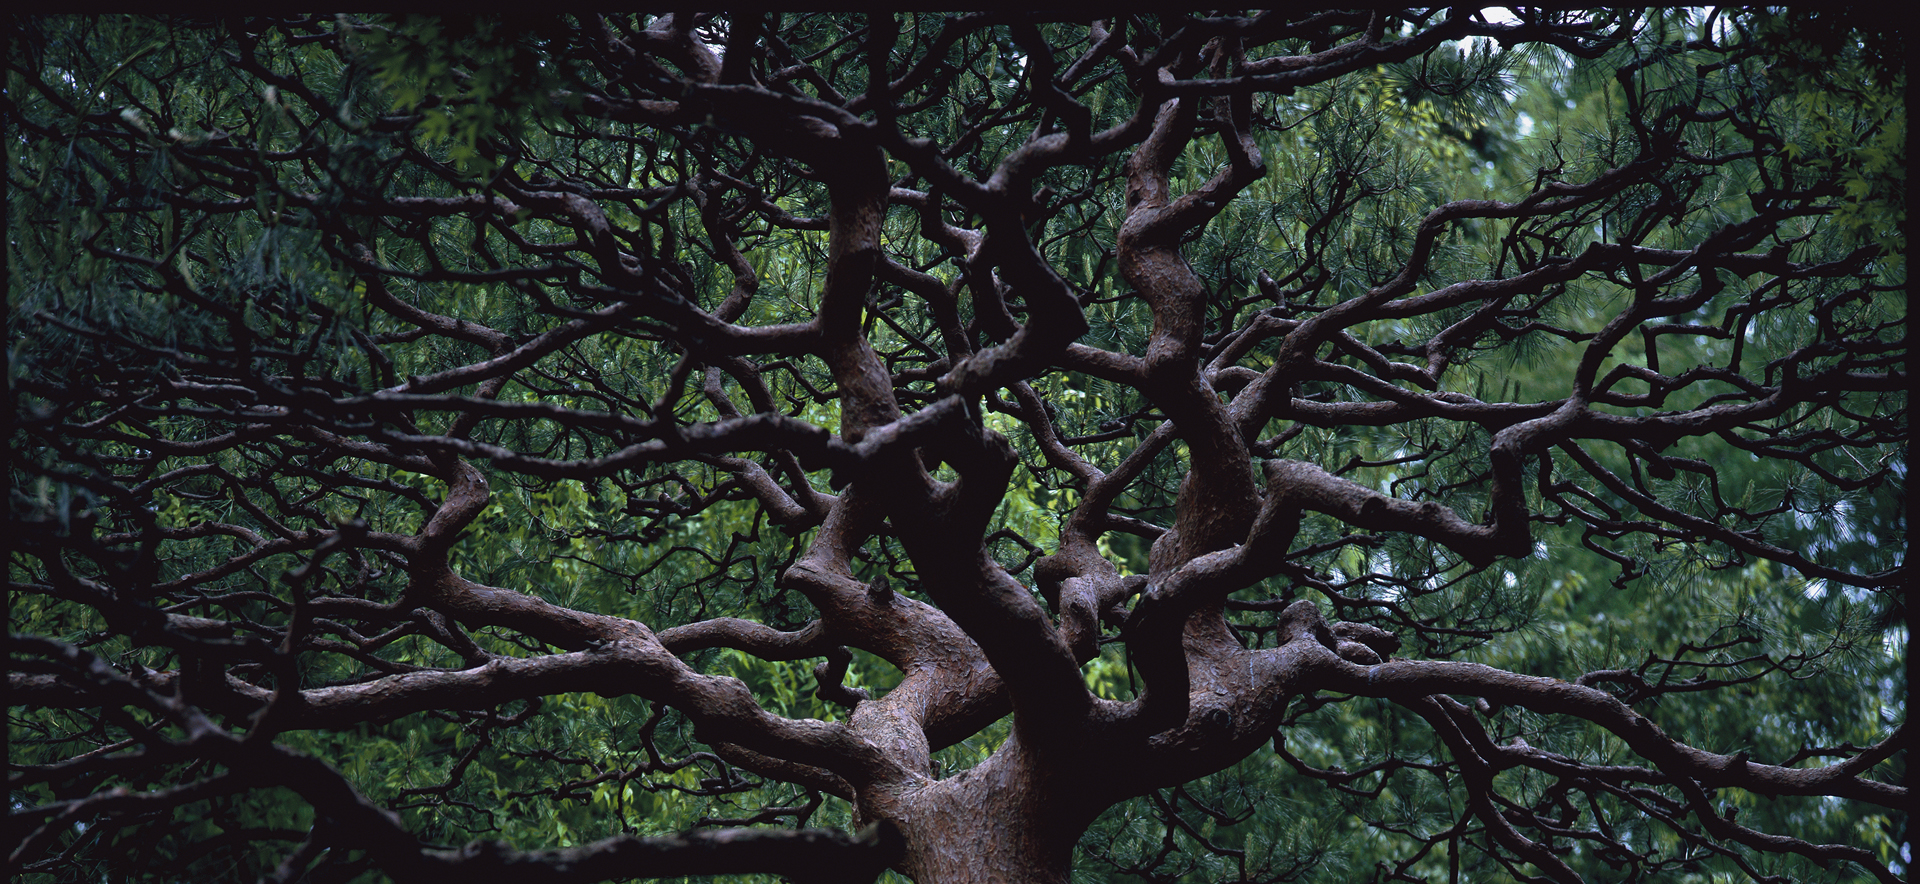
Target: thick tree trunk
(1006, 821)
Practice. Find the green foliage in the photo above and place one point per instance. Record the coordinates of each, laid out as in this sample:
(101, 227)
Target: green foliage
(264, 283)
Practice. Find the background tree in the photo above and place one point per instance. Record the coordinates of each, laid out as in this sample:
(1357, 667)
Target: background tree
(1337, 446)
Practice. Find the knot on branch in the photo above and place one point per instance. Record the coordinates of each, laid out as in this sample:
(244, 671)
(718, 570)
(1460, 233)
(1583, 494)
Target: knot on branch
(1354, 642)
(881, 590)
(1633, 687)
(486, 850)
(830, 676)
(1364, 643)
(1303, 619)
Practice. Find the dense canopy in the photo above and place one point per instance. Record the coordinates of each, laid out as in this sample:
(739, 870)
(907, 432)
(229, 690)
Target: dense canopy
(1420, 445)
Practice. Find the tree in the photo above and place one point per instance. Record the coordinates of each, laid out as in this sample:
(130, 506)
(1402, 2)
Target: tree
(1334, 446)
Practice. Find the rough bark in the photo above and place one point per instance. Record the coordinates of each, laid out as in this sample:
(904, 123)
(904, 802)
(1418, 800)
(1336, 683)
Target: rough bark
(205, 423)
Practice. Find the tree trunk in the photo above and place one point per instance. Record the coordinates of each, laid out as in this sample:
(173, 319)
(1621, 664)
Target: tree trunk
(1006, 821)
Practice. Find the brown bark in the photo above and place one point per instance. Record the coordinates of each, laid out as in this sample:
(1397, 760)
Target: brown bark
(943, 312)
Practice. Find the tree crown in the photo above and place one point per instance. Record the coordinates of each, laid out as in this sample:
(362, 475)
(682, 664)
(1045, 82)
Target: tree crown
(992, 444)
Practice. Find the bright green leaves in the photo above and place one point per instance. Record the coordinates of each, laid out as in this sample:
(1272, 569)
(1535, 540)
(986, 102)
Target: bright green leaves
(473, 81)
(1110, 676)
(280, 284)
(1457, 98)
(1860, 140)
(1843, 93)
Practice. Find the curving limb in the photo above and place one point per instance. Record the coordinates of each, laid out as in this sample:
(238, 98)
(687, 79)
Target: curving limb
(994, 446)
